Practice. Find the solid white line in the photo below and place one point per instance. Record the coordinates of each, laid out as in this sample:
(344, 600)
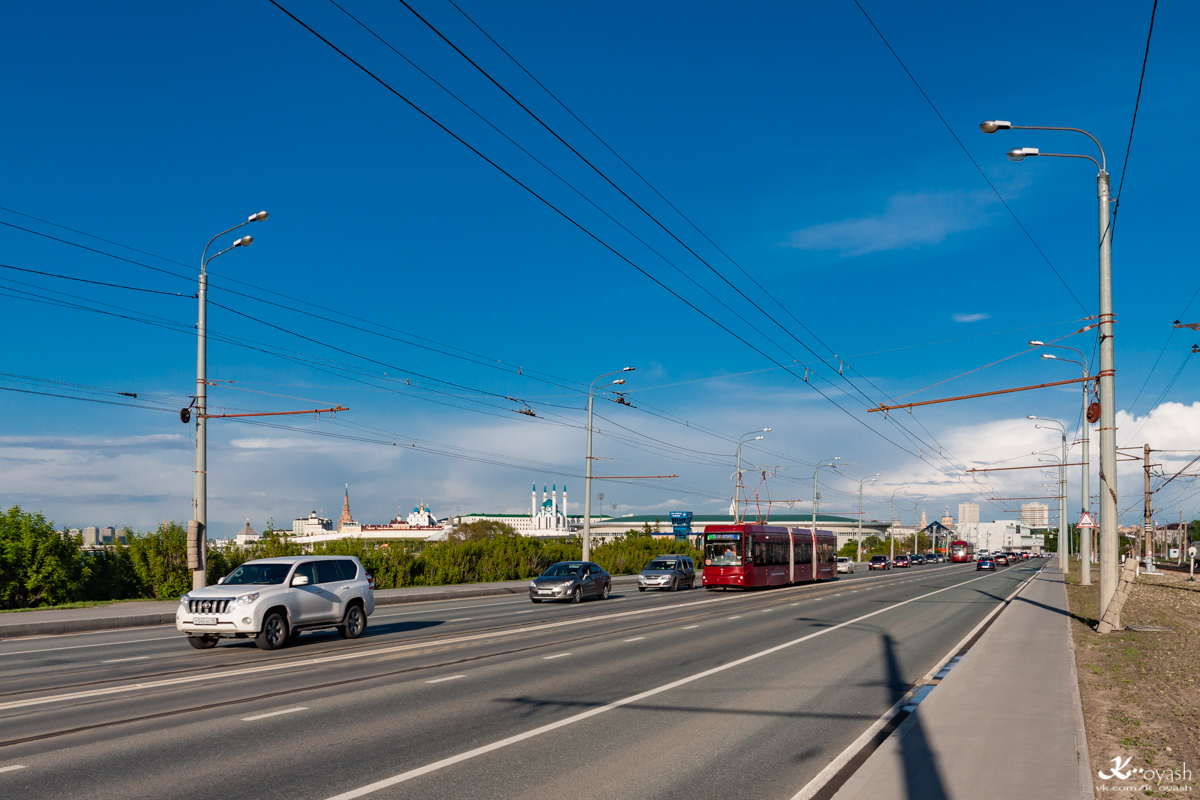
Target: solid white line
(556, 655)
(78, 646)
(275, 713)
(834, 767)
(12, 768)
(636, 639)
(118, 660)
(447, 678)
(339, 657)
(520, 737)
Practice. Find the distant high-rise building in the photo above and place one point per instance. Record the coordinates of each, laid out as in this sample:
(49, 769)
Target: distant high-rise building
(968, 513)
(1035, 515)
(91, 535)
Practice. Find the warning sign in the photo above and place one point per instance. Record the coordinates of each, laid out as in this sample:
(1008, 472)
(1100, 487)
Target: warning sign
(1086, 521)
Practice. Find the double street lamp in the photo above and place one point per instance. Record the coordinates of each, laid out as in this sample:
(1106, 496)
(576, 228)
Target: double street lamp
(587, 495)
(1085, 537)
(1107, 374)
(1063, 527)
(891, 531)
(200, 479)
(832, 464)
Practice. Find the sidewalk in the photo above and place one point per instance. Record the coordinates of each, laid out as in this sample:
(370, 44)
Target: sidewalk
(1005, 722)
(142, 613)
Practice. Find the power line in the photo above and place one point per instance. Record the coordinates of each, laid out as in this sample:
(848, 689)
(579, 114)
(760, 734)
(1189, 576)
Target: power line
(1016, 219)
(96, 283)
(1137, 102)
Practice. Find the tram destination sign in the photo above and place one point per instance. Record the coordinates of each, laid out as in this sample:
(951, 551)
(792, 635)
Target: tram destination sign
(724, 535)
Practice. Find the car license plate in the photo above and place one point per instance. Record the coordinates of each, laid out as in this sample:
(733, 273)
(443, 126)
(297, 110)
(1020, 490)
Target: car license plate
(545, 591)
(204, 620)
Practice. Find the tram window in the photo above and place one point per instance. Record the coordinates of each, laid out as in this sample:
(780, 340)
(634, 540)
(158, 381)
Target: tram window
(803, 551)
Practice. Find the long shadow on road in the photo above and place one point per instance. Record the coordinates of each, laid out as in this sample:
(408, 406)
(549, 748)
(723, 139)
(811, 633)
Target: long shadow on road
(922, 775)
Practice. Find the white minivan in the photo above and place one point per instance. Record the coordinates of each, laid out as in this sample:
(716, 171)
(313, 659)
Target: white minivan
(275, 599)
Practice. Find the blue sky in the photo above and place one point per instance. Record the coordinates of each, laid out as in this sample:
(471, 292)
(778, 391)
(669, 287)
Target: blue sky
(787, 133)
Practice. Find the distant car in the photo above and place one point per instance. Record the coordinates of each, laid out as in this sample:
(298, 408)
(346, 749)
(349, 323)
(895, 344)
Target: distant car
(917, 559)
(1026, 556)
(571, 580)
(845, 564)
(937, 558)
(668, 572)
(985, 563)
(878, 562)
(902, 561)
(1000, 559)
(274, 599)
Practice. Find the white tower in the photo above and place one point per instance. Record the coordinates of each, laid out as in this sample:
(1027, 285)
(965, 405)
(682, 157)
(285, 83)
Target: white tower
(564, 508)
(532, 505)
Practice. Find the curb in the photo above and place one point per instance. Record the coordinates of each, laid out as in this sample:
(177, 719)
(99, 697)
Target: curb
(56, 627)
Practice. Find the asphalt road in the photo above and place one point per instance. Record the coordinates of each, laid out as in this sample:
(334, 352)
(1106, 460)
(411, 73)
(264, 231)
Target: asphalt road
(665, 695)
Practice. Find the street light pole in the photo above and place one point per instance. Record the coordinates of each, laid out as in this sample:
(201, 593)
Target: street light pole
(815, 471)
(1107, 375)
(1085, 537)
(737, 483)
(870, 478)
(1064, 528)
(587, 494)
(891, 531)
(200, 475)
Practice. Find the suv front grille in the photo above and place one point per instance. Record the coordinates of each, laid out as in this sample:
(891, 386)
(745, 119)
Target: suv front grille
(209, 606)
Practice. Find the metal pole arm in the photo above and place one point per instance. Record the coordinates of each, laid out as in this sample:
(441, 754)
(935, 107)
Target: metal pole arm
(1076, 130)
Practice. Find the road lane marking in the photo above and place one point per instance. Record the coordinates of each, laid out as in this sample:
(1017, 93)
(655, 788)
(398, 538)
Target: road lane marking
(562, 723)
(636, 639)
(447, 678)
(118, 660)
(739, 616)
(275, 713)
(78, 646)
(12, 768)
(213, 677)
(765, 610)
(823, 777)
(689, 627)
(462, 619)
(556, 655)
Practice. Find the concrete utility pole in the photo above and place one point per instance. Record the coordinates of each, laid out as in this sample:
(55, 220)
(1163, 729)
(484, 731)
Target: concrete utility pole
(816, 494)
(587, 494)
(200, 482)
(1107, 375)
(891, 532)
(1147, 519)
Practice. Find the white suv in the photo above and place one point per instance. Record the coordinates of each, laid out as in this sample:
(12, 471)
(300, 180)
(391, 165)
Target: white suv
(274, 599)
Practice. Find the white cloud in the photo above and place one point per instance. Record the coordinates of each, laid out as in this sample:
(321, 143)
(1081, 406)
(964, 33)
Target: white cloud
(910, 219)
(970, 317)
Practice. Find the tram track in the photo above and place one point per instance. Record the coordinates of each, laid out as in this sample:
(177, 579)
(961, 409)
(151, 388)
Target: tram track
(775, 598)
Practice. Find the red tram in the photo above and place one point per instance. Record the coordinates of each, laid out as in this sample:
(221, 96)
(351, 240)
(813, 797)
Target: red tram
(749, 556)
(961, 551)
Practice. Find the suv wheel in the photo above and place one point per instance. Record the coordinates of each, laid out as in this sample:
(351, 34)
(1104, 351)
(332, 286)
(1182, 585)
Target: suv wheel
(202, 642)
(274, 633)
(354, 623)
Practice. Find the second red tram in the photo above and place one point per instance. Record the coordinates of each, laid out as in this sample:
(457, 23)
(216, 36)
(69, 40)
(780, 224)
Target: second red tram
(961, 551)
(750, 556)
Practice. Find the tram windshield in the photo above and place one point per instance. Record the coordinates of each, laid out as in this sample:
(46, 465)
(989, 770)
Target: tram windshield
(722, 553)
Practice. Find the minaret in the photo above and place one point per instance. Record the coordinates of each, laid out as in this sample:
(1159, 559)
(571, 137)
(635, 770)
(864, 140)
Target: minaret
(345, 519)
(554, 505)
(564, 508)
(532, 505)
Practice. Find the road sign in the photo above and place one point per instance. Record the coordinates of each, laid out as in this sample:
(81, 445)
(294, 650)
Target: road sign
(1086, 521)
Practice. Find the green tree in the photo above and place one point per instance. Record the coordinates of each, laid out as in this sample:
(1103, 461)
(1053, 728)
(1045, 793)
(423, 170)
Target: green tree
(38, 565)
(159, 559)
(482, 530)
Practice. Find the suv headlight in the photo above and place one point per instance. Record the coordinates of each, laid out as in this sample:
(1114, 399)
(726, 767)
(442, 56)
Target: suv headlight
(183, 601)
(245, 599)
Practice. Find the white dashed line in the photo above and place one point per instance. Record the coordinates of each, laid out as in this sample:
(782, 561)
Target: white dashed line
(79, 646)
(275, 713)
(447, 678)
(464, 619)
(636, 639)
(556, 655)
(765, 610)
(117, 660)
(739, 616)
(12, 768)
(689, 627)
